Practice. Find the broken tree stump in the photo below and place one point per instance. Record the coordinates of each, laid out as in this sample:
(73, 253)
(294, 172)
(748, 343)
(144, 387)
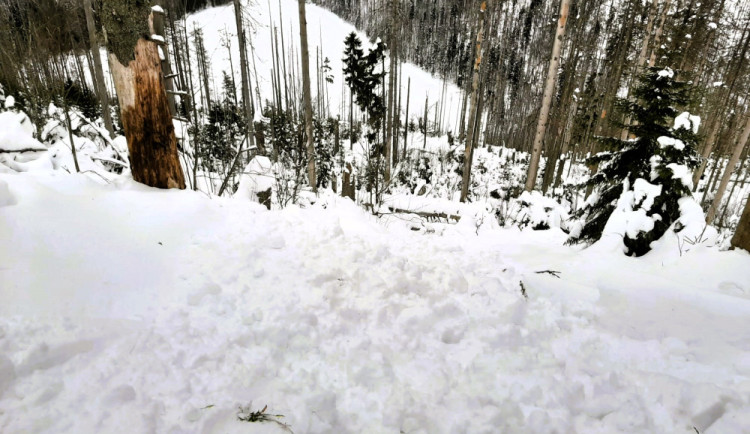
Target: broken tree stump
(146, 118)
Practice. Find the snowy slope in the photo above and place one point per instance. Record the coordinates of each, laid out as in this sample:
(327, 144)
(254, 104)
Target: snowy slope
(129, 309)
(325, 30)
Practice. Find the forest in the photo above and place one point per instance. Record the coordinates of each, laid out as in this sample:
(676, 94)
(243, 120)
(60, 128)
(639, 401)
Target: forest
(352, 215)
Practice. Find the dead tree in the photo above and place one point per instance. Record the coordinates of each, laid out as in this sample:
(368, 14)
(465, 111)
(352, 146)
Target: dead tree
(101, 88)
(245, 69)
(306, 95)
(144, 111)
(741, 236)
(469, 152)
(734, 159)
(547, 98)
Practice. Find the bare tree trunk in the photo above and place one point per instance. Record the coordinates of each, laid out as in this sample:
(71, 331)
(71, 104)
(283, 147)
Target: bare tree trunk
(144, 111)
(391, 102)
(547, 98)
(657, 35)
(156, 26)
(738, 148)
(406, 119)
(306, 95)
(245, 71)
(70, 133)
(424, 145)
(101, 88)
(741, 237)
(469, 152)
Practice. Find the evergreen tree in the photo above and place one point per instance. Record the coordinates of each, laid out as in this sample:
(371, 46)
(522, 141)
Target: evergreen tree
(360, 75)
(643, 178)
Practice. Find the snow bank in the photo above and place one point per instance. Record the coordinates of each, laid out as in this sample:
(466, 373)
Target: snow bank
(16, 133)
(164, 311)
(6, 198)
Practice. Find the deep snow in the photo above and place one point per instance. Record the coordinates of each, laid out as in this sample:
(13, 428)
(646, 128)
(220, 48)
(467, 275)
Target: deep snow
(129, 309)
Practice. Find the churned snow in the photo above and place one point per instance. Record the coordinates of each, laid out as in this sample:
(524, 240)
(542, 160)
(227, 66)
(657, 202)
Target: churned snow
(130, 309)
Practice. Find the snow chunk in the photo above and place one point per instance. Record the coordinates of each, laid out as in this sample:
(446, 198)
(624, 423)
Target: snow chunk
(683, 173)
(687, 121)
(712, 26)
(158, 38)
(666, 72)
(10, 102)
(257, 177)
(158, 9)
(665, 141)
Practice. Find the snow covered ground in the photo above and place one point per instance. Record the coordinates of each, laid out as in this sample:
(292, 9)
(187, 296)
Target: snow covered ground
(129, 309)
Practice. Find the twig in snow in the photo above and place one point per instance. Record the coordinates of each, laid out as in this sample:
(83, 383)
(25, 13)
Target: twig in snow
(523, 290)
(245, 415)
(551, 272)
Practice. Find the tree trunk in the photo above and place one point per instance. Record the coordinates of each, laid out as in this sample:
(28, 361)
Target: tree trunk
(738, 148)
(245, 72)
(547, 98)
(741, 237)
(101, 88)
(156, 26)
(657, 35)
(468, 154)
(145, 116)
(406, 118)
(306, 95)
(424, 144)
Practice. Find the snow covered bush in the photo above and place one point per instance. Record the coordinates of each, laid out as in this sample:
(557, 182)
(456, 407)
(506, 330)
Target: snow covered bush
(540, 212)
(641, 180)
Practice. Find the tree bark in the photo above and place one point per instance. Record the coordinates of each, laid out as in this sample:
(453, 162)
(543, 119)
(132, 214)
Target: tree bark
(741, 238)
(101, 88)
(469, 151)
(547, 98)
(738, 148)
(144, 111)
(245, 70)
(306, 95)
(406, 118)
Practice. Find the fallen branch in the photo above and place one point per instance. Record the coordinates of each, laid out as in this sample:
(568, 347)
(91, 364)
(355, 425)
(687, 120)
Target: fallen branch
(9, 151)
(551, 272)
(426, 215)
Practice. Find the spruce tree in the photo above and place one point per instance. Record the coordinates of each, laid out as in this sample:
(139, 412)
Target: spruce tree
(644, 177)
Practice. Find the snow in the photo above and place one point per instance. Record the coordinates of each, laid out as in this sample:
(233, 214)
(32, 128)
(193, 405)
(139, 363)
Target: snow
(666, 72)
(16, 132)
(152, 310)
(158, 9)
(683, 173)
(687, 121)
(257, 177)
(10, 102)
(665, 141)
(712, 26)
(326, 31)
(157, 38)
(629, 217)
